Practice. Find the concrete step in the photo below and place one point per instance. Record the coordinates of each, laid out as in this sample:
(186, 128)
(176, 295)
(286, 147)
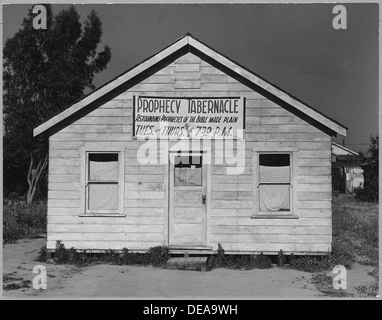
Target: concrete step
(188, 263)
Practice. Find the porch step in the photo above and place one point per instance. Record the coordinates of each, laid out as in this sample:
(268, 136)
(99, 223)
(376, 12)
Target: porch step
(187, 263)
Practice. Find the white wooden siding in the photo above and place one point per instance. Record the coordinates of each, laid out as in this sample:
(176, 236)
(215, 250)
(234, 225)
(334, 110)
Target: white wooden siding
(231, 205)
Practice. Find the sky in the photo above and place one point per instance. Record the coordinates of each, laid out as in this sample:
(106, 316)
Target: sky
(293, 46)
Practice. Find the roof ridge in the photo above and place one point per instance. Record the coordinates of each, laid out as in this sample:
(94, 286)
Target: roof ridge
(220, 58)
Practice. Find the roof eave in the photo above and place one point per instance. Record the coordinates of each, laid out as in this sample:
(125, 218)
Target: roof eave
(112, 85)
(188, 39)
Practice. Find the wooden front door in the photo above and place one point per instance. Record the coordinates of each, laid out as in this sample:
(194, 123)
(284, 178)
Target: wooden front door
(187, 203)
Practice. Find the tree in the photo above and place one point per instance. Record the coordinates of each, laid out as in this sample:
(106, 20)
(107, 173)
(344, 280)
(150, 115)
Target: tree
(45, 71)
(371, 185)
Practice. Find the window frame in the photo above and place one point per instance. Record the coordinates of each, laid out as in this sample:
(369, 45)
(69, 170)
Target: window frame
(85, 211)
(292, 212)
(190, 154)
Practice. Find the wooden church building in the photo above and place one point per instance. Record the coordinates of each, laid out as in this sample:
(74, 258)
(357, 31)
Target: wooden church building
(189, 149)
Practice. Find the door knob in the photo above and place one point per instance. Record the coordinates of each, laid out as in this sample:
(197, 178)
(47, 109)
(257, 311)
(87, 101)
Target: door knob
(203, 199)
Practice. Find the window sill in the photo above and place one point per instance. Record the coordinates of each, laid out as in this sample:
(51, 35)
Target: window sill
(100, 215)
(274, 216)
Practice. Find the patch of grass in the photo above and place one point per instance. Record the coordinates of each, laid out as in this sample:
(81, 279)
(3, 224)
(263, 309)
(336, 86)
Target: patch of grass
(159, 256)
(317, 263)
(324, 283)
(262, 262)
(374, 274)
(156, 256)
(61, 255)
(247, 262)
(134, 258)
(355, 230)
(281, 259)
(42, 255)
(355, 239)
(22, 220)
(342, 254)
(368, 290)
(310, 263)
(10, 277)
(218, 260)
(19, 285)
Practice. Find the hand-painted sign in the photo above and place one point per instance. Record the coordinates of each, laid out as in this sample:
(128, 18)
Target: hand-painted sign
(176, 118)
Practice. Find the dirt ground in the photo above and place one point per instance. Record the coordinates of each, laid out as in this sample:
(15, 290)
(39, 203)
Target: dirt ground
(147, 282)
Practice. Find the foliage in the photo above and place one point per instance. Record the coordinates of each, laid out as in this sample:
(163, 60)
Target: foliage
(340, 255)
(24, 284)
(262, 262)
(22, 220)
(370, 192)
(156, 256)
(61, 254)
(324, 283)
(370, 289)
(281, 259)
(247, 262)
(159, 256)
(45, 71)
(355, 239)
(218, 260)
(42, 255)
(355, 231)
(310, 263)
(135, 258)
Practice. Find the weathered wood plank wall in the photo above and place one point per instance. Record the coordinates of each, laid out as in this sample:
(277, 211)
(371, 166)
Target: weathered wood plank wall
(267, 126)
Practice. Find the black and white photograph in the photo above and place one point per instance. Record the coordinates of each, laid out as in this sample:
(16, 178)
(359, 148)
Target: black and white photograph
(190, 151)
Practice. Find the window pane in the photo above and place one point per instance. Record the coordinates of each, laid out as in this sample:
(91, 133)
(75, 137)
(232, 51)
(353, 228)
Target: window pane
(274, 168)
(274, 197)
(188, 161)
(188, 177)
(103, 167)
(103, 197)
(188, 171)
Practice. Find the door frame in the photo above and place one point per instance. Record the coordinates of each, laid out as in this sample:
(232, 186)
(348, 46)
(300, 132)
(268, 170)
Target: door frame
(206, 153)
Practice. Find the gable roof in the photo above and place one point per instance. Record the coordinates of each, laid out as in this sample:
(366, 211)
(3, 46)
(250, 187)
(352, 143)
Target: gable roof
(339, 150)
(192, 42)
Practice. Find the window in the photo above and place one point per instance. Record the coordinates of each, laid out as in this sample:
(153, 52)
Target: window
(273, 177)
(103, 183)
(188, 170)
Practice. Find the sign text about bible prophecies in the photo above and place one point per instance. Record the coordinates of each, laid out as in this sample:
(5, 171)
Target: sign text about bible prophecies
(174, 118)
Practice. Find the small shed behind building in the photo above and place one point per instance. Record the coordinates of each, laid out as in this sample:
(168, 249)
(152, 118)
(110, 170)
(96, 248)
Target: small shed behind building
(347, 174)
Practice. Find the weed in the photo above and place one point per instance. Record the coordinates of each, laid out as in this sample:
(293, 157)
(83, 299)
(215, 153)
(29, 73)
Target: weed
(134, 258)
(247, 262)
(73, 256)
(370, 289)
(9, 277)
(15, 286)
(292, 258)
(61, 255)
(355, 231)
(42, 255)
(281, 259)
(159, 256)
(324, 283)
(342, 254)
(156, 256)
(307, 263)
(262, 262)
(374, 273)
(22, 220)
(110, 256)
